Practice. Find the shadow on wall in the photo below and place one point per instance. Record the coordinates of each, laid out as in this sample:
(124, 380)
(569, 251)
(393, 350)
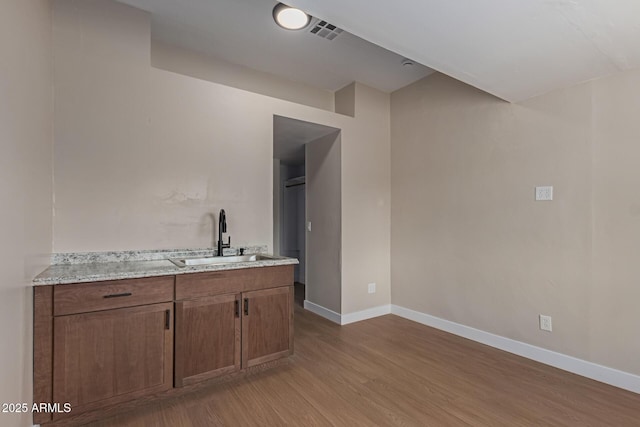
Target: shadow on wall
(324, 213)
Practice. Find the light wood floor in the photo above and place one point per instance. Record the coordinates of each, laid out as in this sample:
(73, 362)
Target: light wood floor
(390, 371)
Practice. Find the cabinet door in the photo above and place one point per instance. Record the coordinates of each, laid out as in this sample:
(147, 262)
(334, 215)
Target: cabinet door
(207, 338)
(267, 325)
(111, 356)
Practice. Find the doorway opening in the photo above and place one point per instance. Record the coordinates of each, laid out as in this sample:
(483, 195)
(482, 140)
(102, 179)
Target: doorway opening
(306, 207)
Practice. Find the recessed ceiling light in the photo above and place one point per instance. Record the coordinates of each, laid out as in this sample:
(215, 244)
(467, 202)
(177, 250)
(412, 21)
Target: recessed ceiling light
(290, 18)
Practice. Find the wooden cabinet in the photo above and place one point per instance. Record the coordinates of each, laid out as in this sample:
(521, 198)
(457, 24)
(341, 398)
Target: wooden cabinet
(109, 356)
(231, 320)
(267, 325)
(207, 338)
(112, 341)
(103, 346)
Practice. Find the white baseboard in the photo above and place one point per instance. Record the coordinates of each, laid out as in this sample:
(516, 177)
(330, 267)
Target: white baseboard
(345, 319)
(369, 313)
(323, 312)
(581, 367)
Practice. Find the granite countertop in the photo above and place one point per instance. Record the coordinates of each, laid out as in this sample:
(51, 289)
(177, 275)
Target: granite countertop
(100, 266)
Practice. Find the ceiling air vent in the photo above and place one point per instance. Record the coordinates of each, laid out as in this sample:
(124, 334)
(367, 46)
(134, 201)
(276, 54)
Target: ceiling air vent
(325, 30)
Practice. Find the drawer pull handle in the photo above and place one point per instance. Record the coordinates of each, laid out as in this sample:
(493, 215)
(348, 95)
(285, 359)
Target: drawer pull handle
(237, 308)
(246, 306)
(167, 319)
(124, 294)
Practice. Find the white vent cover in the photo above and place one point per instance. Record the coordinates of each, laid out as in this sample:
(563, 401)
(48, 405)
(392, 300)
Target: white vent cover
(325, 30)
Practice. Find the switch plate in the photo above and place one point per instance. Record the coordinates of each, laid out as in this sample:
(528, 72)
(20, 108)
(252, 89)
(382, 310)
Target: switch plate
(545, 323)
(372, 288)
(544, 193)
(308, 226)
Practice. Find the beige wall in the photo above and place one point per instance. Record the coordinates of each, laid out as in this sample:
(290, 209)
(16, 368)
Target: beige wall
(470, 244)
(323, 209)
(104, 152)
(614, 315)
(201, 66)
(25, 187)
(345, 100)
(366, 202)
(277, 203)
(143, 156)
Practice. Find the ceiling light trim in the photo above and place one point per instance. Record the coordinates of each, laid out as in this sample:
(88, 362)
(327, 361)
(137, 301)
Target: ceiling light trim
(290, 18)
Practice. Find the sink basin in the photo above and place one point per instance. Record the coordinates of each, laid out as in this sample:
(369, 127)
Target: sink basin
(184, 262)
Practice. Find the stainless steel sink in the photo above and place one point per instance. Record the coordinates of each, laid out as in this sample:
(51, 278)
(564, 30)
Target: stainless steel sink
(184, 262)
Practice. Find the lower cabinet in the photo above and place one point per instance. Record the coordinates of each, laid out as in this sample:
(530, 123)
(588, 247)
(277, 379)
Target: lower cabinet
(103, 344)
(231, 320)
(207, 338)
(110, 356)
(209, 342)
(267, 325)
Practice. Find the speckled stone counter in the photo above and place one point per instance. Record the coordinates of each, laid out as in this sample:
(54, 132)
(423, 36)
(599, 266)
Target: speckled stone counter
(100, 266)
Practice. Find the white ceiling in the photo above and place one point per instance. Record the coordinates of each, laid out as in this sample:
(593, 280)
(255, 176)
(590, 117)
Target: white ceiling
(243, 32)
(514, 49)
(290, 135)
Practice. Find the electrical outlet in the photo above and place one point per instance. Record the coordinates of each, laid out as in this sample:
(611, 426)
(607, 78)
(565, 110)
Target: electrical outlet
(544, 193)
(372, 288)
(545, 323)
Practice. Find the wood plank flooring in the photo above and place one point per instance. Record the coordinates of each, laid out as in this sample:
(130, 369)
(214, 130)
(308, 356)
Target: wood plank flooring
(390, 371)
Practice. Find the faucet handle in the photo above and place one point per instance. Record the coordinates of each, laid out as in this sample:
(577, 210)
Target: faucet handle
(228, 244)
(241, 251)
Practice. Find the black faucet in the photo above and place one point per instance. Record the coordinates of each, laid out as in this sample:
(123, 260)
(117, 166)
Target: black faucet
(222, 228)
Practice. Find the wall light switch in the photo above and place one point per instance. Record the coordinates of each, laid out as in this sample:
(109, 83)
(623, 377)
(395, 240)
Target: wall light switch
(544, 193)
(309, 226)
(372, 288)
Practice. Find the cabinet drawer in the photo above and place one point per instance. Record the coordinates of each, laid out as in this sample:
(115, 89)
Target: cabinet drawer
(232, 281)
(87, 297)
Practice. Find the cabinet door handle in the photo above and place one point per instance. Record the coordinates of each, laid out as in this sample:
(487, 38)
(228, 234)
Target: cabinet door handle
(167, 319)
(246, 306)
(124, 294)
(237, 308)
